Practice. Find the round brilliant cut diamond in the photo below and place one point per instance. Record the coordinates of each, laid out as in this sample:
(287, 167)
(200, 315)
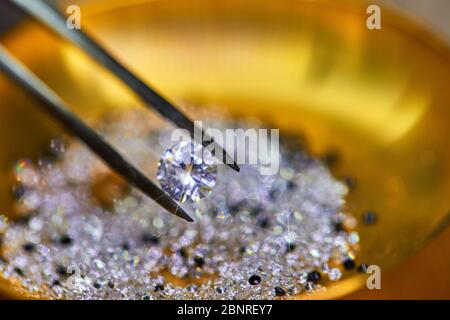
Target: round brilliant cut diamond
(187, 172)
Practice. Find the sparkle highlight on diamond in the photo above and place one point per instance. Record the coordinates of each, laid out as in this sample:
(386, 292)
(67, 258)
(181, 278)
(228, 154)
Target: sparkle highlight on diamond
(187, 172)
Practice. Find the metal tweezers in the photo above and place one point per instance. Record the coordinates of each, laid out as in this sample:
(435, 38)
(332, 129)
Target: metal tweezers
(56, 107)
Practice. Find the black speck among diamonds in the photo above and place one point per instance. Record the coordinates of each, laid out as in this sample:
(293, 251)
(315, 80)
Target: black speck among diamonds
(254, 280)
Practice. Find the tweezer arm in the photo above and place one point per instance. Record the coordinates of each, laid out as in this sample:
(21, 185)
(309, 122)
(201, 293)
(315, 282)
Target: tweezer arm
(51, 17)
(54, 106)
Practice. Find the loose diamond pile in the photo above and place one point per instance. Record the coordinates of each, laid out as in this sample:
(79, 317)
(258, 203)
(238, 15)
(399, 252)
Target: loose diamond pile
(83, 234)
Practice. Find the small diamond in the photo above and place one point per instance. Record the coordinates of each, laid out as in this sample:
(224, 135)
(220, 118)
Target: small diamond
(334, 274)
(187, 172)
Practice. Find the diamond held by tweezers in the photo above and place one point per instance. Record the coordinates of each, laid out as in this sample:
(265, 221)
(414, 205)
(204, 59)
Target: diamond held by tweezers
(187, 172)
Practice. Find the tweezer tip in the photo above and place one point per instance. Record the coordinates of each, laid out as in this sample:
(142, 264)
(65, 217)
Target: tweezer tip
(183, 214)
(235, 167)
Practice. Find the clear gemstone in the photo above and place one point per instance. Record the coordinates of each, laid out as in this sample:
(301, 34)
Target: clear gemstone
(334, 274)
(187, 172)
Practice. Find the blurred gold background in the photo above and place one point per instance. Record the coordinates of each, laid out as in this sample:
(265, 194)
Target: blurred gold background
(424, 275)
